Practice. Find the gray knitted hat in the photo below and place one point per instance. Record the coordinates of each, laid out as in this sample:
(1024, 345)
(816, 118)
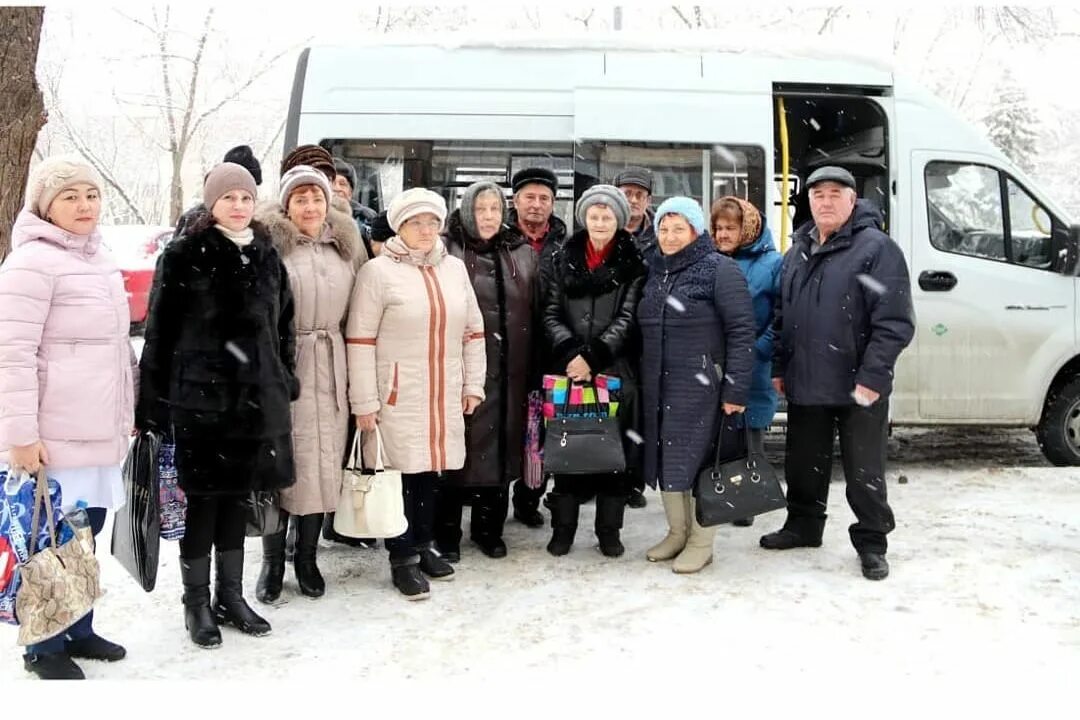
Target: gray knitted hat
(604, 195)
(468, 204)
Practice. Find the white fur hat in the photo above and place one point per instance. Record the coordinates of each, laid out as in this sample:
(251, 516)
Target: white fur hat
(413, 202)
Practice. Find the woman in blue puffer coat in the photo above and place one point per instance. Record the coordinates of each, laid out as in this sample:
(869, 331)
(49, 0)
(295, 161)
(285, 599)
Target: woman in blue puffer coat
(739, 232)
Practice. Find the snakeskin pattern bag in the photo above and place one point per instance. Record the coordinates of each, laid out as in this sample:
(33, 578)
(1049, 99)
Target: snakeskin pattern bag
(58, 584)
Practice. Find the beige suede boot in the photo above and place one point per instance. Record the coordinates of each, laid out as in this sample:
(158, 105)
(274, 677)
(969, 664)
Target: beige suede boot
(678, 527)
(699, 546)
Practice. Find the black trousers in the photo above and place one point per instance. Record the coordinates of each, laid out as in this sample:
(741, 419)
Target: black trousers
(808, 469)
(585, 487)
(420, 493)
(213, 521)
(489, 506)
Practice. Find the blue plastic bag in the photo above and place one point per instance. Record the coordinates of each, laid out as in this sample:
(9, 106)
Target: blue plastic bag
(16, 519)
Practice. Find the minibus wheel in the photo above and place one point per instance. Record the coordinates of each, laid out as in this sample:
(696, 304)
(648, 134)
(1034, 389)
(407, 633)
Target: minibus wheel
(1058, 431)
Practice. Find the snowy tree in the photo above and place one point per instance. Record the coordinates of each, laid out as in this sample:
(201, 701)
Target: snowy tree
(1012, 124)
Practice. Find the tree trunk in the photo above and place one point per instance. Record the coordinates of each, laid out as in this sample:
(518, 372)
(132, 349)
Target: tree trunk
(22, 112)
(176, 194)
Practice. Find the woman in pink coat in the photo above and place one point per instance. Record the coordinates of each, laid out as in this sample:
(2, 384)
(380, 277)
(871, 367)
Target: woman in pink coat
(67, 384)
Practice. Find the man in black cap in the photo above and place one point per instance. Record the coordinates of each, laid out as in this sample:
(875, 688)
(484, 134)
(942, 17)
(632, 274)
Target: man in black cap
(636, 184)
(532, 220)
(532, 215)
(241, 155)
(844, 317)
(344, 185)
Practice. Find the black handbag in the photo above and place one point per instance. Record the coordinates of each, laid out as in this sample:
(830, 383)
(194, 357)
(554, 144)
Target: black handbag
(264, 514)
(136, 534)
(738, 488)
(583, 445)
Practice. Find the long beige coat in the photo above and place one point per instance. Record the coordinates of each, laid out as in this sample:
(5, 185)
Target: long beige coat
(416, 348)
(321, 275)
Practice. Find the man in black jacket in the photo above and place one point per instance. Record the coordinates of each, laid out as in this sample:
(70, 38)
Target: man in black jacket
(533, 218)
(845, 316)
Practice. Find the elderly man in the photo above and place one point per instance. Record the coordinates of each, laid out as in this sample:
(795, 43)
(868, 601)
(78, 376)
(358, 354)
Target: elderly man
(636, 184)
(532, 219)
(845, 316)
(532, 216)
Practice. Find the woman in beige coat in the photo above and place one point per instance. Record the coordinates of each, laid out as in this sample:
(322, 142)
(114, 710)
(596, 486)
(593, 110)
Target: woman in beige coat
(416, 367)
(322, 254)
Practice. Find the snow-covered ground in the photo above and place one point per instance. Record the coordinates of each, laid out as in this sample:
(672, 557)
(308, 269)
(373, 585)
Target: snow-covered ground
(984, 591)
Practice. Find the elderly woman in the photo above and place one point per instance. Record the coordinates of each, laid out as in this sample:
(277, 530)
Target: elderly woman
(416, 367)
(66, 394)
(504, 273)
(698, 330)
(322, 254)
(591, 288)
(739, 232)
(218, 370)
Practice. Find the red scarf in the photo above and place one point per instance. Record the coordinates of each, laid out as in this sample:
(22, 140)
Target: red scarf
(595, 258)
(536, 241)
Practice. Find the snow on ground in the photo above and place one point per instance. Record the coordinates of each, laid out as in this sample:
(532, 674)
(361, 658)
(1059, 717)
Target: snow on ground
(985, 589)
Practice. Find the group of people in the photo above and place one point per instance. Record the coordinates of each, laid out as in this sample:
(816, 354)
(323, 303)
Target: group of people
(277, 330)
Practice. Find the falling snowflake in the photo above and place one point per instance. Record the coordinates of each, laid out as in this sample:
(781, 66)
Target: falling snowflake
(497, 337)
(814, 124)
(676, 304)
(236, 352)
(634, 437)
(701, 378)
(871, 284)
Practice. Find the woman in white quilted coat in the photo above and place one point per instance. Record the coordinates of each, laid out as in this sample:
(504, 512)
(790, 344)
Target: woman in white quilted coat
(416, 359)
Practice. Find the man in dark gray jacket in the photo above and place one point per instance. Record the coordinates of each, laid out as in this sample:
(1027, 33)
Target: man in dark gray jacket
(845, 316)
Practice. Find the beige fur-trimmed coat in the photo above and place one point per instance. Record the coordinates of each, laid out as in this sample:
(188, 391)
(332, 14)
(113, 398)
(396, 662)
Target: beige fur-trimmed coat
(321, 275)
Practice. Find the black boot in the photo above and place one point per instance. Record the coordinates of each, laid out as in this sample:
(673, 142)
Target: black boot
(53, 666)
(743, 522)
(786, 539)
(488, 521)
(229, 606)
(609, 521)
(434, 566)
(448, 527)
(564, 519)
(198, 618)
(636, 499)
(874, 565)
(95, 647)
(308, 576)
(408, 579)
(272, 574)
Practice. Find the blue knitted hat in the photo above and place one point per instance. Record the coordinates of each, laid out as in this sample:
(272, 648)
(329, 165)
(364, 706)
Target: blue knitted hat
(680, 205)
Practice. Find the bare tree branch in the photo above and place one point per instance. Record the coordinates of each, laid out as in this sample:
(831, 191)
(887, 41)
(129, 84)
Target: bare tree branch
(831, 14)
(266, 67)
(682, 17)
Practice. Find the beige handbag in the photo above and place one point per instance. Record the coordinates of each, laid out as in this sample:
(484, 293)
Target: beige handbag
(371, 505)
(58, 584)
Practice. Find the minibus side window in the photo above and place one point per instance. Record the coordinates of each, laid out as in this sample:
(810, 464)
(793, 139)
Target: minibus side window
(964, 204)
(980, 211)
